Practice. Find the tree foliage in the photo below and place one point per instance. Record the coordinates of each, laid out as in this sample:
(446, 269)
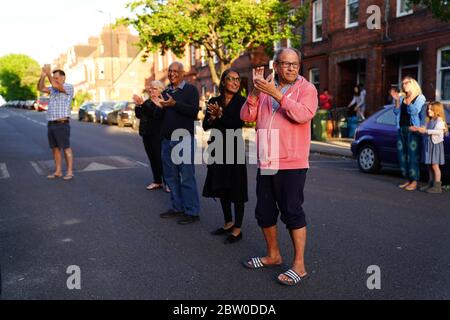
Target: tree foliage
(81, 97)
(225, 28)
(440, 8)
(19, 75)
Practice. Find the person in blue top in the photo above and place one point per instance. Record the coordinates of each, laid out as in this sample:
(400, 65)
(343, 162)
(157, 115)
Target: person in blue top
(408, 109)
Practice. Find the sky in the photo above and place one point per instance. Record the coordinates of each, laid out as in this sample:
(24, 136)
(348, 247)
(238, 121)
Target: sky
(43, 29)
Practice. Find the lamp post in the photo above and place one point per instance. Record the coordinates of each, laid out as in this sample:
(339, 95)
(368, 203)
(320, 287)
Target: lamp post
(111, 90)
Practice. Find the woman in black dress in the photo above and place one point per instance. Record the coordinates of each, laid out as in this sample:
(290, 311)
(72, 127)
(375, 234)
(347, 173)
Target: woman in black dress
(224, 180)
(150, 129)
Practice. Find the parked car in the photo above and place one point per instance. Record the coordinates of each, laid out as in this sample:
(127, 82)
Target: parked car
(120, 107)
(375, 143)
(41, 104)
(103, 110)
(127, 116)
(87, 112)
(29, 104)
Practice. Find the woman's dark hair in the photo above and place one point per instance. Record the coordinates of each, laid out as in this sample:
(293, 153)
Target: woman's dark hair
(222, 80)
(359, 91)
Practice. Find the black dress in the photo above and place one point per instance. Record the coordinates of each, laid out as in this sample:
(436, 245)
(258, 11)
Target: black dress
(150, 129)
(227, 180)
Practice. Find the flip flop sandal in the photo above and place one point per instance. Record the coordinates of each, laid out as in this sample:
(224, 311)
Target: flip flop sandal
(256, 263)
(68, 177)
(294, 278)
(53, 176)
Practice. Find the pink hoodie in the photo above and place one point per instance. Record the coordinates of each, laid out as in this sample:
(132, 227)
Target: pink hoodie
(283, 137)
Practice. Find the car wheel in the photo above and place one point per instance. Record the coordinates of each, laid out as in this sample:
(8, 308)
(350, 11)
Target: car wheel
(367, 158)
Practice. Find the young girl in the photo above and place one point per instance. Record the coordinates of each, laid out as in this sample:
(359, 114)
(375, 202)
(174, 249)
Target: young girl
(434, 145)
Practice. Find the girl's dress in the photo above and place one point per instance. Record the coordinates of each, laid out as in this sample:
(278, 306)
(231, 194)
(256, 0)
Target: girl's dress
(434, 143)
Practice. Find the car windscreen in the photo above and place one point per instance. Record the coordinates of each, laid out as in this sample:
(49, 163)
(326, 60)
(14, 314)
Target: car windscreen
(106, 106)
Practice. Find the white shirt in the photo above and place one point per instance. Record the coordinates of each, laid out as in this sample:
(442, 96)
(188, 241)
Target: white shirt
(436, 130)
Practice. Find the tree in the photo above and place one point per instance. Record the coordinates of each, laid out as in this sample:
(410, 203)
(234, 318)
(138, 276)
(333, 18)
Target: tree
(81, 97)
(226, 29)
(19, 75)
(440, 8)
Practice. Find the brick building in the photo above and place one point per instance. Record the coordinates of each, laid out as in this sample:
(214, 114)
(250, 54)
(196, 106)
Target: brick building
(96, 67)
(340, 50)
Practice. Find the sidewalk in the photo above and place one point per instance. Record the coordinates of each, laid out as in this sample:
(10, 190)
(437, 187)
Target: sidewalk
(333, 147)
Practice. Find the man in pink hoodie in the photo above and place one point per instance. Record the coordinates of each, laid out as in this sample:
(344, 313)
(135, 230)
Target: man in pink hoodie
(283, 107)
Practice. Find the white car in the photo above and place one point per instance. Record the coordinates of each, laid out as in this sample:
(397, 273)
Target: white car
(2, 101)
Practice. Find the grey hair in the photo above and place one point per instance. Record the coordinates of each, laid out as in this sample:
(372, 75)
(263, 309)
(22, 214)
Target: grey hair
(179, 64)
(157, 84)
(279, 52)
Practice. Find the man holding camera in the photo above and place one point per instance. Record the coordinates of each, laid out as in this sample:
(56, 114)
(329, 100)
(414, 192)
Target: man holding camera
(58, 117)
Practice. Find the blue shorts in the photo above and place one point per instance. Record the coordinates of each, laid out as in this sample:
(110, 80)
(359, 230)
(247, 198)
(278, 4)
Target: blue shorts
(59, 135)
(281, 193)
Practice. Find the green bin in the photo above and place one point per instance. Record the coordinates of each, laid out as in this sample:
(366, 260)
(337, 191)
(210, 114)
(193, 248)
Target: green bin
(320, 125)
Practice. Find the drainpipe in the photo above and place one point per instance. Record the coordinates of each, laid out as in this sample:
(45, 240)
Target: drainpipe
(387, 11)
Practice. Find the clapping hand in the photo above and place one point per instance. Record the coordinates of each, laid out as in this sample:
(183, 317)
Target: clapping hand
(161, 103)
(214, 110)
(138, 100)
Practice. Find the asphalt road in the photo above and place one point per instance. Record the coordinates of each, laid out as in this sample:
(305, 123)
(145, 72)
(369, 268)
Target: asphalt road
(107, 223)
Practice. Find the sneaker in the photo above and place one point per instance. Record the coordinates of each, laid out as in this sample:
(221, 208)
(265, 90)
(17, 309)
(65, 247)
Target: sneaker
(187, 219)
(171, 214)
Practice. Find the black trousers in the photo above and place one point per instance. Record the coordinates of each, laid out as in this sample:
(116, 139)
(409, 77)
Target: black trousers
(281, 193)
(152, 146)
(239, 209)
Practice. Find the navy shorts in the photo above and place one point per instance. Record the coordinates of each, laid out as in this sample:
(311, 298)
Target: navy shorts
(281, 193)
(59, 135)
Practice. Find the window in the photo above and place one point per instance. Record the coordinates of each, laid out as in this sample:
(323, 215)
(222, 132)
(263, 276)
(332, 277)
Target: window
(314, 78)
(404, 7)
(317, 21)
(101, 70)
(351, 13)
(169, 58)
(160, 62)
(387, 118)
(204, 91)
(203, 56)
(193, 60)
(443, 75)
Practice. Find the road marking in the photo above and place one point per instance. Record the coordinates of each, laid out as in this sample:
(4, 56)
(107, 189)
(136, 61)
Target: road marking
(4, 174)
(37, 168)
(142, 164)
(95, 166)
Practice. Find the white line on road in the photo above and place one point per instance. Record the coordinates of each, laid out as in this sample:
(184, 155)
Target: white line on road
(142, 164)
(37, 168)
(4, 174)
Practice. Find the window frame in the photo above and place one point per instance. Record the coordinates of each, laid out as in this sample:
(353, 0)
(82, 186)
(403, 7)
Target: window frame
(311, 71)
(347, 16)
(314, 22)
(400, 13)
(439, 70)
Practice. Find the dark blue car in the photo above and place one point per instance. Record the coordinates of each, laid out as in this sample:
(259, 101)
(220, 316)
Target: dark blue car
(375, 143)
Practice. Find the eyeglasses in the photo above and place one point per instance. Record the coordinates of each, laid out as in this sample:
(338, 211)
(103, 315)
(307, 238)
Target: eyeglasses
(233, 79)
(287, 65)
